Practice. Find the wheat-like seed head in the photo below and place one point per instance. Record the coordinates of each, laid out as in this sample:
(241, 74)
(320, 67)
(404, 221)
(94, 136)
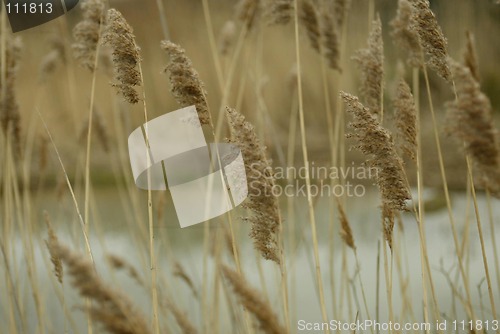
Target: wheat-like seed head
(185, 83)
(253, 301)
(431, 36)
(406, 119)
(404, 33)
(126, 58)
(329, 33)
(185, 324)
(110, 307)
(265, 218)
(53, 240)
(280, 11)
(10, 118)
(87, 33)
(51, 60)
(371, 63)
(341, 9)
(345, 227)
(377, 144)
(471, 122)
(119, 263)
(309, 18)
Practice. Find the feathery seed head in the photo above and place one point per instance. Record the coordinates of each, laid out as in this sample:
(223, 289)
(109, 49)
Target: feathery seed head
(377, 144)
(406, 119)
(431, 36)
(87, 33)
(119, 35)
(371, 63)
(186, 85)
(265, 218)
(309, 18)
(471, 122)
(404, 33)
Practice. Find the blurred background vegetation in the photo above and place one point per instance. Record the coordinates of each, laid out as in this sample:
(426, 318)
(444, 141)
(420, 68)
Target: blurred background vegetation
(262, 87)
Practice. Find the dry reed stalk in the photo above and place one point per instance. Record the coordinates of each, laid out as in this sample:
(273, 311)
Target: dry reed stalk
(186, 85)
(110, 307)
(252, 300)
(261, 201)
(227, 37)
(309, 17)
(329, 36)
(406, 119)
(126, 59)
(471, 121)
(51, 60)
(279, 11)
(305, 156)
(10, 118)
(119, 263)
(431, 36)
(404, 34)
(53, 240)
(371, 63)
(470, 56)
(87, 33)
(481, 238)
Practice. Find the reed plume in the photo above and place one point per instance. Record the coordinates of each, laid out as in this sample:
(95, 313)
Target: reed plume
(185, 325)
(110, 307)
(119, 36)
(378, 145)
(53, 240)
(309, 18)
(345, 227)
(341, 9)
(404, 34)
(119, 263)
(55, 57)
(183, 276)
(265, 218)
(227, 37)
(406, 119)
(471, 122)
(329, 39)
(88, 32)
(10, 118)
(186, 85)
(247, 12)
(431, 36)
(371, 63)
(470, 56)
(252, 300)
(280, 11)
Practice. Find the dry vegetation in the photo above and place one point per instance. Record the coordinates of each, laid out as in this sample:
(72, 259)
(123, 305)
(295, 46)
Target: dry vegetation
(385, 84)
